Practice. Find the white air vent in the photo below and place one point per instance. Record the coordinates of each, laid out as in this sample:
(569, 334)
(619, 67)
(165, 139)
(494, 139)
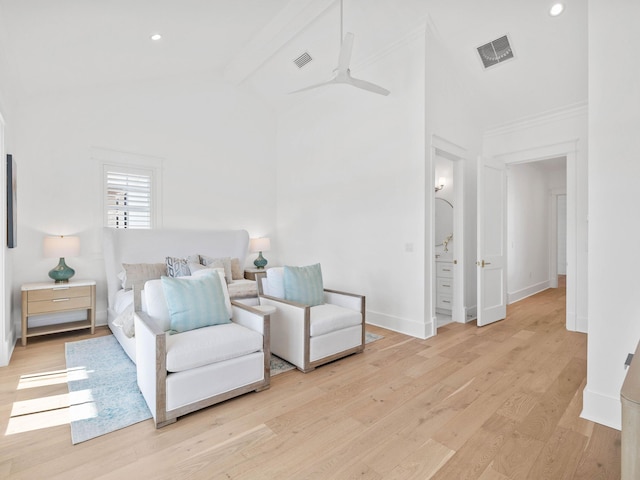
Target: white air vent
(495, 52)
(302, 60)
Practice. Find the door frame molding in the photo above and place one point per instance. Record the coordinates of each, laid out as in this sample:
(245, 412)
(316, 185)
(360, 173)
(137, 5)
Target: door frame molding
(459, 156)
(568, 149)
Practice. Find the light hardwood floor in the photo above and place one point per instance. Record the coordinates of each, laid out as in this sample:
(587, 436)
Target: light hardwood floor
(492, 403)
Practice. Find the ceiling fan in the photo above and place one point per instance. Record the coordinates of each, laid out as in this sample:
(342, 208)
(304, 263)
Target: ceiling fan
(342, 73)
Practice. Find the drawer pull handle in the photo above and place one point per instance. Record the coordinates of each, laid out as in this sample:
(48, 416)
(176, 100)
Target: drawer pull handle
(61, 288)
(446, 301)
(61, 300)
(445, 285)
(446, 270)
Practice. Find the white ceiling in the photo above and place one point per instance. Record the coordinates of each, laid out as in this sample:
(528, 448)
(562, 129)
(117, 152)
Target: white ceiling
(49, 45)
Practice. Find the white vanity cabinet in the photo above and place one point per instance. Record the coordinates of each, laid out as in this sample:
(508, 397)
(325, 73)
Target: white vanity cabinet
(444, 286)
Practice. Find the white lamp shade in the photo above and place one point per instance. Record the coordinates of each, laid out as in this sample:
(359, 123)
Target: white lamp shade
(57, 247)
(442, 182)
(259, 245)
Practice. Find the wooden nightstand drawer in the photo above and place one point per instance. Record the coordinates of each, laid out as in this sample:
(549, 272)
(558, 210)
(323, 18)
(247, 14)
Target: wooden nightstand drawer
(58, 305)
(58, 293)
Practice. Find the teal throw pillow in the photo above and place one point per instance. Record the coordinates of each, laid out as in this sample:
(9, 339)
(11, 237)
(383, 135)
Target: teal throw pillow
(304, 285)
(195, 302)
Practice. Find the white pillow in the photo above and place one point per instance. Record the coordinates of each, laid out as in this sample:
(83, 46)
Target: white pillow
(197, 269)
(125, 321)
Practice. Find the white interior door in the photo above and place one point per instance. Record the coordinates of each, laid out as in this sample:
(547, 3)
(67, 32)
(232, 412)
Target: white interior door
(492, 241)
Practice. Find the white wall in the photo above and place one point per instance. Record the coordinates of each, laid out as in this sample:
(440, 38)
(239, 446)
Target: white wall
(614, 226)
(218, 149)
(351, 187)
(528, 245)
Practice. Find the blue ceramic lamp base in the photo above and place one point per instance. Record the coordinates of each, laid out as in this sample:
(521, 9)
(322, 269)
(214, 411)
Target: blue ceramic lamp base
(62, 273)
(260, 262)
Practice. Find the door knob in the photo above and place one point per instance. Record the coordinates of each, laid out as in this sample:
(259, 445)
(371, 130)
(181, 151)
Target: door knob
(482, 263)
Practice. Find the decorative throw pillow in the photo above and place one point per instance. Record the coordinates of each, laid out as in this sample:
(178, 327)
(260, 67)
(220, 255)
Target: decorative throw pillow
(195, 303)
(179, 267)
(139, 273)
(125, 321)
(223, 262)
(202, 270)
(237, 272)
(304, 285)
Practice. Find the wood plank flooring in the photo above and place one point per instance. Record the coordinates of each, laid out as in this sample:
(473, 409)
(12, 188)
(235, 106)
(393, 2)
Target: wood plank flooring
(492, 403)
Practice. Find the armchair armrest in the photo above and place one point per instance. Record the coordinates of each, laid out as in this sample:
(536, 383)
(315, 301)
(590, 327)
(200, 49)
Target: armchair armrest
(151, 364)
(249, 317)
(253, 319)
(346, 300)
(291, 325)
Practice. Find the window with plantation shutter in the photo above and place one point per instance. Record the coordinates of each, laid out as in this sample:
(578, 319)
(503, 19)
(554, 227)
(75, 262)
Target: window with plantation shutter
(130, 188)
(128, 199)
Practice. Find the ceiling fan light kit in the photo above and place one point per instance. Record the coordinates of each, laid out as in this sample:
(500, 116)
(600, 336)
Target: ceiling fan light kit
(342, 73)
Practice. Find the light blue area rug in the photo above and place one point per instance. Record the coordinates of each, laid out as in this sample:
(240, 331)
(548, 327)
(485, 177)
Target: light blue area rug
(103, 388)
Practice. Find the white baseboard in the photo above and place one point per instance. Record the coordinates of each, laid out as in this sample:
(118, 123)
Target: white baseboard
(527, 292)
(602, 409)
(7, 351)
(101, 317)
(402, 325)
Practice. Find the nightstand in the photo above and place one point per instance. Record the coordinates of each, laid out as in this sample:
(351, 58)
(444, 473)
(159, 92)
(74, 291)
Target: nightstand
(250, 273)
(47, 297)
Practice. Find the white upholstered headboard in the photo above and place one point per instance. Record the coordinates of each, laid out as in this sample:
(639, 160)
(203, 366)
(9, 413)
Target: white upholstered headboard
(153, 246)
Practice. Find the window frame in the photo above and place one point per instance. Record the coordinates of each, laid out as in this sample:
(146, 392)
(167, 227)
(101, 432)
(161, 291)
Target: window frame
(133, 164)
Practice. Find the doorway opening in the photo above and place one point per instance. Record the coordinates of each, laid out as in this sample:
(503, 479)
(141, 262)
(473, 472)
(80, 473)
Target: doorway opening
(536, 233)
(446, 227)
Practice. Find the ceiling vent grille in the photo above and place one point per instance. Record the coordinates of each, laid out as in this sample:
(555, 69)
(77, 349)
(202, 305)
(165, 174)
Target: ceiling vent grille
(495, 52)
(302, 60)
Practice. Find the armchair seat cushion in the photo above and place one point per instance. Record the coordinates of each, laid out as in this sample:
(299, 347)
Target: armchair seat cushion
(204, 346)
(329, 318)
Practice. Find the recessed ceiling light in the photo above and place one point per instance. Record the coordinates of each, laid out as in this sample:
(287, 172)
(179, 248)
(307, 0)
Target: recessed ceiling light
(155, 37)
(556, 9)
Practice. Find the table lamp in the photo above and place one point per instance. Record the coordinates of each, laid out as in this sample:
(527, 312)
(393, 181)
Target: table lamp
(61, 247)
(260, 245)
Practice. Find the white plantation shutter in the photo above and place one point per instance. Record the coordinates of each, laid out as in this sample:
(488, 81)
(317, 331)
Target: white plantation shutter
(128, 197)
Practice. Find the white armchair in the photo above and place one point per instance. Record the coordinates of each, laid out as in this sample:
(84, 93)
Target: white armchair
(310, 336)
(187, 371)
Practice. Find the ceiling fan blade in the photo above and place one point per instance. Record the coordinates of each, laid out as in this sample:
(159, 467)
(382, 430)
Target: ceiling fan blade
(372, 87)
(311, 87)
(345, 53)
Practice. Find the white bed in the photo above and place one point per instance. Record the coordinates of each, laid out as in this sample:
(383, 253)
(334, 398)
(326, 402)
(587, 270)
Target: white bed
(153, 246)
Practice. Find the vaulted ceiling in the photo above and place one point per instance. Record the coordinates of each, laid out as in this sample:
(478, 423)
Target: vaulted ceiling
(48, 46)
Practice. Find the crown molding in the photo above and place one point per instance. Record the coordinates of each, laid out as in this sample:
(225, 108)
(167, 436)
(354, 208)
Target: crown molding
(562, 113)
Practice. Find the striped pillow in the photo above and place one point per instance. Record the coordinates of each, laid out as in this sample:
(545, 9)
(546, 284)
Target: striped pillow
(195, 303)
(304, 285)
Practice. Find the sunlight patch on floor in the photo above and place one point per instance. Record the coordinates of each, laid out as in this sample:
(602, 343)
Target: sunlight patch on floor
(51, 378)
(51, 410)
